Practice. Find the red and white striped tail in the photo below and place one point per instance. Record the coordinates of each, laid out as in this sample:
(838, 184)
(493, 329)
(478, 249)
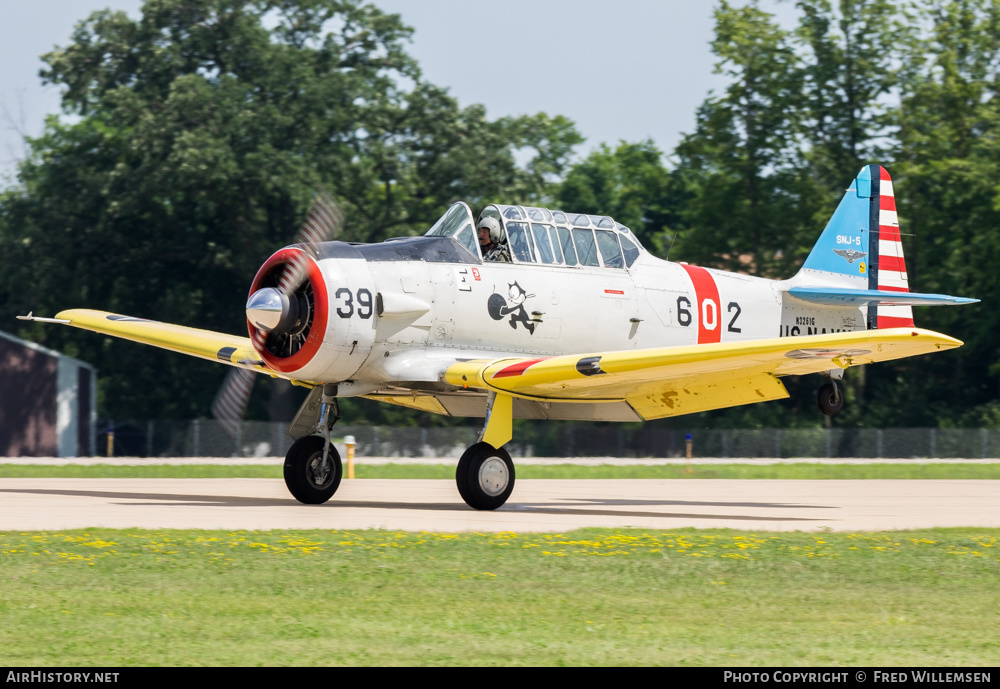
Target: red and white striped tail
(890, 269)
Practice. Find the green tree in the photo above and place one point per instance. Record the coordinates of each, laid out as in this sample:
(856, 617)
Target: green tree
(736, 167)
(629, 183)
(849, 74)
(199, 133)
(948, 161)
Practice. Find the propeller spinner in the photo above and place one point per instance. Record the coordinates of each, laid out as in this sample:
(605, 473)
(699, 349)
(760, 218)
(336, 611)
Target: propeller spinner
(269, 309)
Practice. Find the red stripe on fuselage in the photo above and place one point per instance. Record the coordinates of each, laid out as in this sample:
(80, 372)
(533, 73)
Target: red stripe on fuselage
(516, 369)
(707, 309)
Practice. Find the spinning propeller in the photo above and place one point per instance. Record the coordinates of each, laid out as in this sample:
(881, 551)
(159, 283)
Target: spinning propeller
(280, 313)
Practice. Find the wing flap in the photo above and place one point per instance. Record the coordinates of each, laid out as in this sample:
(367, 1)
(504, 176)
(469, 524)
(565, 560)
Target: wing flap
(735, 366)
(205, 344)
(691, 398)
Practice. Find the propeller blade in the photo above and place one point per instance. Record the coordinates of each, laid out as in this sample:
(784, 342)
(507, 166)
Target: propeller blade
(322, 224)
(231, 401)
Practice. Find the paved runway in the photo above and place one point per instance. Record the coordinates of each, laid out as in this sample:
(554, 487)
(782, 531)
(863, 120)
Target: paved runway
(537, 505)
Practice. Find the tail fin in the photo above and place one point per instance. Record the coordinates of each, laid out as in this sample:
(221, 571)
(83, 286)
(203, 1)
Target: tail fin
(860, 251)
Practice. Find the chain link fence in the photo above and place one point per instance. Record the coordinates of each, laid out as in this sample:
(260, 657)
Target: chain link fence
(205, 438)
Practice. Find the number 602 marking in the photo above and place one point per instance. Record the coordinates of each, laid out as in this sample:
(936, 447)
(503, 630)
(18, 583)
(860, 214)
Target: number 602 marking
(709, 319)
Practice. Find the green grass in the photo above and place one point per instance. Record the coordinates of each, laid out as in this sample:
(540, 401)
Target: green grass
(563, 471)
(592, 597)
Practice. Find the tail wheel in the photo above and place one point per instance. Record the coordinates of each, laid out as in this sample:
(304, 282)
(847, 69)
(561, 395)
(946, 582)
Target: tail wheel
(307, 479)
(830, 398)
(485, 476)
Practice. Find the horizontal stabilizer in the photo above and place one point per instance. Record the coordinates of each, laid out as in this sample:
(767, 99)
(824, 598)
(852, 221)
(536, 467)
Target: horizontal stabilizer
(840, 296)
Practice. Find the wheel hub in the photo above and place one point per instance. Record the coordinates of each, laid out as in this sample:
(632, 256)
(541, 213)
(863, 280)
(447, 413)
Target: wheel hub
(493, 476)
(319, 477)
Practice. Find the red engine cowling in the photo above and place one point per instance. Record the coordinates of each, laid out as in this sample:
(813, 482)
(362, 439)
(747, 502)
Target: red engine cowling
(320, 335)
(292, 349)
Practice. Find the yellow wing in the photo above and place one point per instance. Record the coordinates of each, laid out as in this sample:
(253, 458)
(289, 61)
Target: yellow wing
(683, 380)
(205, 344)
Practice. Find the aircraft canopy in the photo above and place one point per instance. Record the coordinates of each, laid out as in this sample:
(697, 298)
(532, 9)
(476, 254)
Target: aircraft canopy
(544, 236)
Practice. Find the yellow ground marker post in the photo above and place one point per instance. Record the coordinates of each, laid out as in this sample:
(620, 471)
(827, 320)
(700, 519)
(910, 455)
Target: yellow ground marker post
(349, 442)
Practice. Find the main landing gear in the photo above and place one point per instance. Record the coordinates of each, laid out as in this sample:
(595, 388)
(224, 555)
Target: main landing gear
(313, 470)
(485, 473)
(485, 476)
(311, 478)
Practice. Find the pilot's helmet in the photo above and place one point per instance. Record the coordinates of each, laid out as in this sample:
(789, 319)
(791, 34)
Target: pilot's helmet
(493, 225)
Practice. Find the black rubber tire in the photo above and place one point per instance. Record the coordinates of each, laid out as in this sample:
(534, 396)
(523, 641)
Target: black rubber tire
(830, 398)
(300, 475)
(485, 476)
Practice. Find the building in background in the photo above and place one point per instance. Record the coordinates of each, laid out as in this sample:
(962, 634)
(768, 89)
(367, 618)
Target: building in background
(48, 402)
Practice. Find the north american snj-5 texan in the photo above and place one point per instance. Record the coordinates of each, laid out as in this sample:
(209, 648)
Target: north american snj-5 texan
(579, 322)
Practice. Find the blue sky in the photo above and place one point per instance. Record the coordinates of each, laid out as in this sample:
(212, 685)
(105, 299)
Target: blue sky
(626, 70)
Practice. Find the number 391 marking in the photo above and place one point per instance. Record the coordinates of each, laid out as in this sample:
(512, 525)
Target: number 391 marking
(346, 308)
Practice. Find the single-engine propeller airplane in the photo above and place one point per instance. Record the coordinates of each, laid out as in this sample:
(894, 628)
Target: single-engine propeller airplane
(582, 323)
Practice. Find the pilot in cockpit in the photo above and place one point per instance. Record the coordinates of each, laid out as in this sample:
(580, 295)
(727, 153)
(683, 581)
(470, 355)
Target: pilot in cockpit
(491, 241)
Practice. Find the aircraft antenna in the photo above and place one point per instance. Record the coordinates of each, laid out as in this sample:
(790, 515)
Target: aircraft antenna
(670, 248)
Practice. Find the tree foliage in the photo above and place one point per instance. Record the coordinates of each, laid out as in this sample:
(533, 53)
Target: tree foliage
(200, 132)
(735, 166)
(629, 183)
(947, 164)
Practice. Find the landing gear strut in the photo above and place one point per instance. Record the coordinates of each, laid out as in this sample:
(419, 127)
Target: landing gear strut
(485, 473)
(830, 398)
